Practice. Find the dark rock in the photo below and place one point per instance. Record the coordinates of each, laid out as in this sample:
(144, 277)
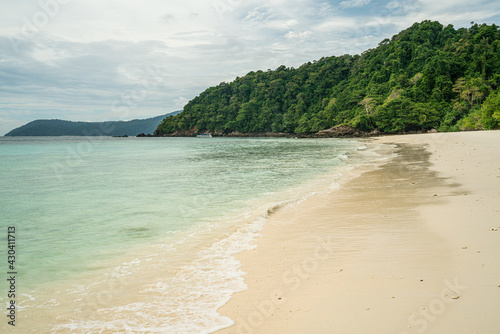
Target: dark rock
(340, 131)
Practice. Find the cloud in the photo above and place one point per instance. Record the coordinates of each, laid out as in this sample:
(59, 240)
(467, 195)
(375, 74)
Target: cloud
(338, 23)
(259, 14)
(354, 3)
(180, 102)
(301, 35)
(167, 18)
(89, 55)
(281, 24)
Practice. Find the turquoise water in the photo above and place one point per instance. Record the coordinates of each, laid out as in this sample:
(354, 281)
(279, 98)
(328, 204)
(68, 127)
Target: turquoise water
(80, 205)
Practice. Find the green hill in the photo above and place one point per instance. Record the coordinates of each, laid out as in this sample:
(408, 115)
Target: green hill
(57, 127)
(427, 76)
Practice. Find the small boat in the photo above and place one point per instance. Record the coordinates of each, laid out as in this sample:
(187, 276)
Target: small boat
(204, 135)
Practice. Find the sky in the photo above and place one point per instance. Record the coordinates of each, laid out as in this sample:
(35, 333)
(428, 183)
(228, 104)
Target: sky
(98, 60)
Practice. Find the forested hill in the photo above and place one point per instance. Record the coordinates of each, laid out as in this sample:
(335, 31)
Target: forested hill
(427, 76)
(56, 127)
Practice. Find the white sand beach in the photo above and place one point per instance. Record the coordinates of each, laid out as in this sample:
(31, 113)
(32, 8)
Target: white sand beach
(410, 247)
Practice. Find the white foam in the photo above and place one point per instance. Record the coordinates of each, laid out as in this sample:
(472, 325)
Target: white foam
(187, 301)
(343, 156)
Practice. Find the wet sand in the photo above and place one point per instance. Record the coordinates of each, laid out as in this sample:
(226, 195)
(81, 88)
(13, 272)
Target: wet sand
(412, 246)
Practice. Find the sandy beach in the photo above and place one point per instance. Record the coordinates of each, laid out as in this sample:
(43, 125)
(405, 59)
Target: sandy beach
(412, 246)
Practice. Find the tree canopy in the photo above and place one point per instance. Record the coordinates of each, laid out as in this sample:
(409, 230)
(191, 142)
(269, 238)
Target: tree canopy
(427, 76)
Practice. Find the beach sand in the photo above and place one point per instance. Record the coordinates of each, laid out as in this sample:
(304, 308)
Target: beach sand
(412, 246)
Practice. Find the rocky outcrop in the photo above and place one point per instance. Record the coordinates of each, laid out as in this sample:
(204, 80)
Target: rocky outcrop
(339, 131)
(342, 131)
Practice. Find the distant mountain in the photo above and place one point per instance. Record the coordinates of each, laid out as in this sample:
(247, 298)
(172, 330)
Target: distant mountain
(56, 127)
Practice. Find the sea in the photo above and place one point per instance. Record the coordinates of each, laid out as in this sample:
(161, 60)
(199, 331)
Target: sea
(139, 235)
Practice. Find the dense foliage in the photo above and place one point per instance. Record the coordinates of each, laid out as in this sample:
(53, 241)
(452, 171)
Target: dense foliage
(428, 76)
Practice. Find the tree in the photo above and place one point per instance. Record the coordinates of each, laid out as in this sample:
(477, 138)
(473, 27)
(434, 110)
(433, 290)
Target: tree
(458, 87)
(470, 90)
(427, 75)
(369, 103)
(490, 111)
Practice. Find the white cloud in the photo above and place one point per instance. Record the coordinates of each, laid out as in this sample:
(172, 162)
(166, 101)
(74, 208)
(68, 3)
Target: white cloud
(258, 14)
(301, 35)
(90, 54)
(281, 24)
(354, 3)
(180, 102)
(338, 23)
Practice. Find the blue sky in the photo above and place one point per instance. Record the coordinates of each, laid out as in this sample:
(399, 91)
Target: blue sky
(122, 59)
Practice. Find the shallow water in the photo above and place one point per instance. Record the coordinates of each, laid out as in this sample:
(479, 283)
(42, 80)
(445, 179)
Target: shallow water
(137, 235)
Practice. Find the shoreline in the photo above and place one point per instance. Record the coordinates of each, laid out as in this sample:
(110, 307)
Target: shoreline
(338, 131)
(179, 280)
(396, 250)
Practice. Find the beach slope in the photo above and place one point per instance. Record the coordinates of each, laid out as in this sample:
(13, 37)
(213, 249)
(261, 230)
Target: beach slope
(412, 246)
